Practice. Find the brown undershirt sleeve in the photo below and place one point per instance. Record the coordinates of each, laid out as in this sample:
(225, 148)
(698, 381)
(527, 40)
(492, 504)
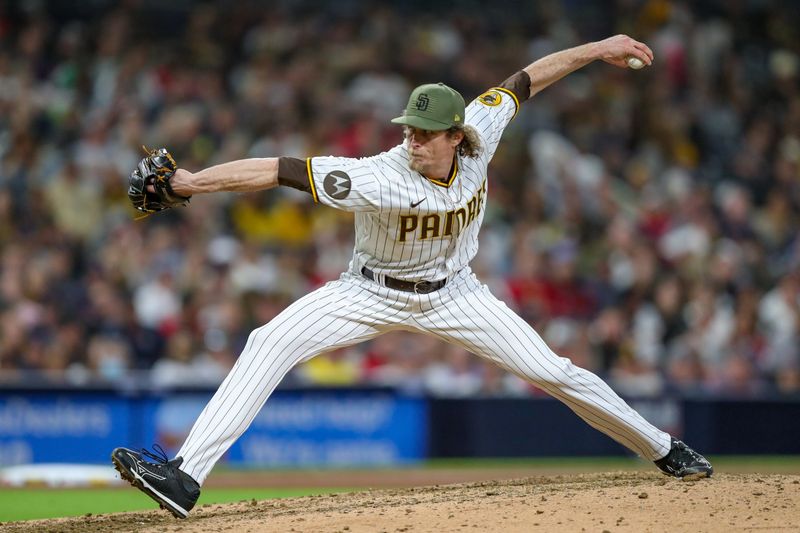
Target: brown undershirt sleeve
(518, 83)
(293, 172)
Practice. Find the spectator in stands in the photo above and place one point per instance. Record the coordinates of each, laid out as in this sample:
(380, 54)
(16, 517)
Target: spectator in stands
(654, 212)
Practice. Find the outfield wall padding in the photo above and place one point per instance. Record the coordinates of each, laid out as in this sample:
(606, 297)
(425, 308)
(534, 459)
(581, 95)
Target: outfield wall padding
(371, 427)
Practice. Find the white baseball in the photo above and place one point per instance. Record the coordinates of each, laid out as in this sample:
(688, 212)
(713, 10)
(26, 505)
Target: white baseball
(635, 62)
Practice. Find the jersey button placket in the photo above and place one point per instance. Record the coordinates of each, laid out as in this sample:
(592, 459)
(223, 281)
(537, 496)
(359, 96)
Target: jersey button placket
(451, 204)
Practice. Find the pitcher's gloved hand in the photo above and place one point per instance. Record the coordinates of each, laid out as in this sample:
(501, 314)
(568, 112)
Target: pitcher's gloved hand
(155, 170)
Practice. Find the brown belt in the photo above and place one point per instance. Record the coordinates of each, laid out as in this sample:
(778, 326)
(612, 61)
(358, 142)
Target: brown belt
(419, 287)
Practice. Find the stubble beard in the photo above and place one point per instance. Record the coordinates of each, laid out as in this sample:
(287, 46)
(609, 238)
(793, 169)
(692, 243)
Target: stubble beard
(413, 163)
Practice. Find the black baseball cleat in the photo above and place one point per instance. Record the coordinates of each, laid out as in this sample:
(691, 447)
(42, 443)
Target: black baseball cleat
(684, 463)
(173, 489)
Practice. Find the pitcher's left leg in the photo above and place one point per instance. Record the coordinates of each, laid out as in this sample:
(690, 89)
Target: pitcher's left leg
(473, 318)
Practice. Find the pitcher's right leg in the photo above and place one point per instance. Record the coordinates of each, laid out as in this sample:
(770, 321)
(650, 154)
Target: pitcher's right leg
(339, 314)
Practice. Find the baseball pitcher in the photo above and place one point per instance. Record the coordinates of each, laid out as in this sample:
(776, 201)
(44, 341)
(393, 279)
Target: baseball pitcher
(418, 210)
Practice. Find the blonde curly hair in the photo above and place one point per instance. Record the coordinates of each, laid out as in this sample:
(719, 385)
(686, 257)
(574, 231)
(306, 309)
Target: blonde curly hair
(470, 145)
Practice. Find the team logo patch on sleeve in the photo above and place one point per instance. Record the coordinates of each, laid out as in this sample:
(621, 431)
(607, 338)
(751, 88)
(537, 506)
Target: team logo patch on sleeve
(491, 98)
(337, 184)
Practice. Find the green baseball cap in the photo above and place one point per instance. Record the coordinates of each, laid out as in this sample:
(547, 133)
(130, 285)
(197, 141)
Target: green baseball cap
(433, 106)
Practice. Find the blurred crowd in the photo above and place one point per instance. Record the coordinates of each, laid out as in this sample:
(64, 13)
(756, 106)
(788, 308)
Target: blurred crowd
(644, 222)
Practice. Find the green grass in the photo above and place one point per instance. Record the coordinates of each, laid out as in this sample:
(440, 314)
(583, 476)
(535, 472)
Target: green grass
(28, 504)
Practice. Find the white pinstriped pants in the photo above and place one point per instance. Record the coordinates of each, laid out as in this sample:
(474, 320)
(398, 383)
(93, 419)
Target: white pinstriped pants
(354, 309)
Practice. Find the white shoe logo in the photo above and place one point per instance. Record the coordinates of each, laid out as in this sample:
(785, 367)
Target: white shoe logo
(143, 472)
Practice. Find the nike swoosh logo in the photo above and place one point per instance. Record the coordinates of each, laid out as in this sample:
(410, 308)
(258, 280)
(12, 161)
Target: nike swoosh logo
(416, 204)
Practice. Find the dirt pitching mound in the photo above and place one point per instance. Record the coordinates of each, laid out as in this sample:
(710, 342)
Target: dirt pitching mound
(615, 501)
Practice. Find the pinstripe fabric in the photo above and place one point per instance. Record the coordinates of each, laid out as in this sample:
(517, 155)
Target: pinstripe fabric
(491, 120)
(468, 314)
(384, 190)
(341, 313)
(412, 228)
(354, 309)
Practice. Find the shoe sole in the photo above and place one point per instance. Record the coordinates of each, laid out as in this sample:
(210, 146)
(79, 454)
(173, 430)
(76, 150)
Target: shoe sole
(140, 483)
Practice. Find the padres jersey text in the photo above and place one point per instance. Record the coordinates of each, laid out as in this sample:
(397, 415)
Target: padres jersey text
(412, 233)
(409, 226)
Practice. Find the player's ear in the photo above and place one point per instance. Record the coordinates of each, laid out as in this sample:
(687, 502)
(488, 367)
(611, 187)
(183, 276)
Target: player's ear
(455, 137)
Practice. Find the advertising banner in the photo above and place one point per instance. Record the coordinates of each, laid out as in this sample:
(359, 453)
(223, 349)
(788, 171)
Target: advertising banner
(63, 428)
(308, 428)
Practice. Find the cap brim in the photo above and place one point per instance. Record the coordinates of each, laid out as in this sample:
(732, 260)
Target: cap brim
(421, 123)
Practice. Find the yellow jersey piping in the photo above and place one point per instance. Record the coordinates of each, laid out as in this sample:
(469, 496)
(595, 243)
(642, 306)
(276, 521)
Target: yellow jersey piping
(512, 95)
(311, 180)
(449, 180)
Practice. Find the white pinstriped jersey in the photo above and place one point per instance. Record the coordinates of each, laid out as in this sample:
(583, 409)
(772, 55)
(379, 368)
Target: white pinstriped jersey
(412, 228)
(408, 226)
